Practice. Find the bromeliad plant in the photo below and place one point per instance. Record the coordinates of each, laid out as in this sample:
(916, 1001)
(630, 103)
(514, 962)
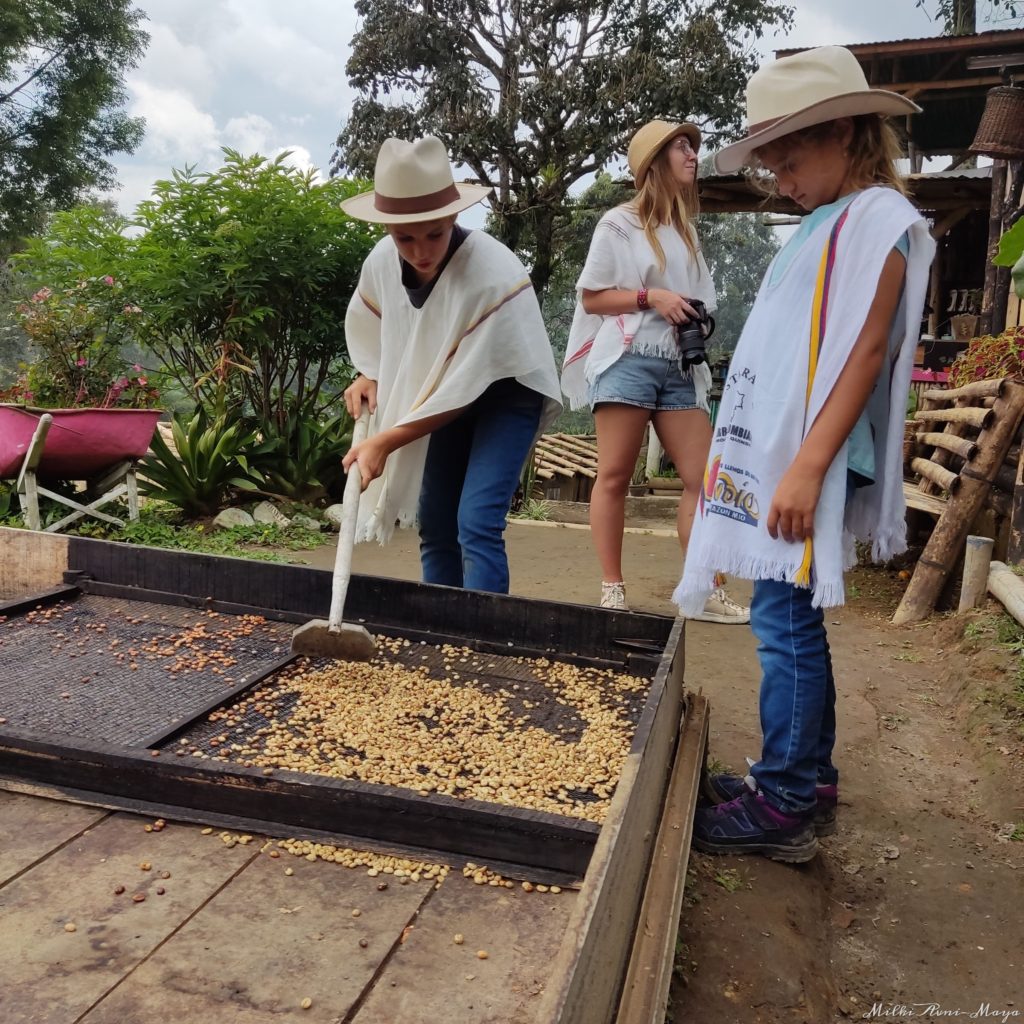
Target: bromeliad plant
(212, 460)
(302, 462)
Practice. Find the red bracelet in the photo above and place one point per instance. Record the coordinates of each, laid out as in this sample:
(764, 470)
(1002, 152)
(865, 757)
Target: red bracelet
(641, 299)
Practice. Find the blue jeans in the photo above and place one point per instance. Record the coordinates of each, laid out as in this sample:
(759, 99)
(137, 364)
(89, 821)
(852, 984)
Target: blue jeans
(472, 470)
(798, 696)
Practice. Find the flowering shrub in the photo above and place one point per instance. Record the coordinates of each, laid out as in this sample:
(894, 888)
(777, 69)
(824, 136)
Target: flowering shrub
(990, 357)
(78, 334)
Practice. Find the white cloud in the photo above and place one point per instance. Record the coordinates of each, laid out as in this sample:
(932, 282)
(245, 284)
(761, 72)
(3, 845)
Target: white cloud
(248, 134)
(175, 126)
(171, 63)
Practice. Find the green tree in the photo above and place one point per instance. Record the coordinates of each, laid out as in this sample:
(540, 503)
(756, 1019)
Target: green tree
(535, 95)
(738, 248)
(960, 17)
(62, 67)
(243, 277)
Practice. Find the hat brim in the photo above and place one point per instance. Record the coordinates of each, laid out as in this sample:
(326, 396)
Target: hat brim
(851, 104)
(691, 131)
(362, 207)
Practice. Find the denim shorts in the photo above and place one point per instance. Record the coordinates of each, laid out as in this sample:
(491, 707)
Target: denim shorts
(650, 382)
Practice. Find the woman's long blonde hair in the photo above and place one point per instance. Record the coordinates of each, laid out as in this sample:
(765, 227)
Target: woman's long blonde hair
(662, 200)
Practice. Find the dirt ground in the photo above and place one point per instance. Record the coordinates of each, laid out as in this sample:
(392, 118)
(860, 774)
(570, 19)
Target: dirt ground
(913, 909)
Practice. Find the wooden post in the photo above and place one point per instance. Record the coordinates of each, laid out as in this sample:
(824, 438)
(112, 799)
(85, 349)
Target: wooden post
(1008, 588)
(26, 486)
(132, 482)
(942, 549)
(990, 317)
(1015, 549)
(977, 558)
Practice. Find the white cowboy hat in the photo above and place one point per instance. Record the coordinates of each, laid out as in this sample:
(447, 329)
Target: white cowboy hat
(412, 182)
(645, 145)
(804, 89)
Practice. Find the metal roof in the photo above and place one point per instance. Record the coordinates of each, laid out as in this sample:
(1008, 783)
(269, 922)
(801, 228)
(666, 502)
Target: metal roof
(933, 72)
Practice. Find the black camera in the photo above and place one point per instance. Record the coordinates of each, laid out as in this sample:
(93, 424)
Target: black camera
(690, 337)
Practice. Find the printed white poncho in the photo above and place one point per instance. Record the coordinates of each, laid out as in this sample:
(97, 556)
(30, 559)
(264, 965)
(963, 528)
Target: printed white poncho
(480, 324)
(794, 346)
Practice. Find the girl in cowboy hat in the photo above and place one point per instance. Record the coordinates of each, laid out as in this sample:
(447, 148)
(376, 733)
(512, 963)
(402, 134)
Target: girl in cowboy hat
(643, 271)
(455, 366)
(810, 460)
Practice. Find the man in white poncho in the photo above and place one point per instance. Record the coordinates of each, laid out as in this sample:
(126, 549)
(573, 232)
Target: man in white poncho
(455, 365)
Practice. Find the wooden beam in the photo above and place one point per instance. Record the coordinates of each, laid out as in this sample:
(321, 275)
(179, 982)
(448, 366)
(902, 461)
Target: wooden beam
(938, 475)
(978, 418)
(976, 389)
(354, 809)
(1007, 587)
(961, 446)
(645, 993)
(591, 962)
(943, 547)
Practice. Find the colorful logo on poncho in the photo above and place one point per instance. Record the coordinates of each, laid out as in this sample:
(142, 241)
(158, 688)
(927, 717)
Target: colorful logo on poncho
(722, 495)
(710, 477)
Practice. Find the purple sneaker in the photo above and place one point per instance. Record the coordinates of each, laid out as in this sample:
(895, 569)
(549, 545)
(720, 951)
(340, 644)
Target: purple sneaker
(749, 824)
(721, 788)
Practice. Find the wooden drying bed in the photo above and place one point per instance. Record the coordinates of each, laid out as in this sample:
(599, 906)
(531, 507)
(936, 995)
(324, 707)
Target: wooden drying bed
(960, 465)
(583, 961)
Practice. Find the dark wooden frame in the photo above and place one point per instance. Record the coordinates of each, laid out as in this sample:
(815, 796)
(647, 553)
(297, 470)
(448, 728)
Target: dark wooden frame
(349, 810)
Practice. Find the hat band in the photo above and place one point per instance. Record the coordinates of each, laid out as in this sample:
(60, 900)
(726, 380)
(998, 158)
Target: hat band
(753, 129)
(417, 204)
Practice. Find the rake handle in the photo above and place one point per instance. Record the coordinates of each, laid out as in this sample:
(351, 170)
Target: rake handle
(347, 528)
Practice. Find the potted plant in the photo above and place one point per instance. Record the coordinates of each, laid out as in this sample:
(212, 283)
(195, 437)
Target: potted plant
(638, 484)
(102, 405)
(666, 482)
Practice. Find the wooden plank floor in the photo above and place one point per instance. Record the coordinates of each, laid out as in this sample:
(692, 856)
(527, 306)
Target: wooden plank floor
(236, 940)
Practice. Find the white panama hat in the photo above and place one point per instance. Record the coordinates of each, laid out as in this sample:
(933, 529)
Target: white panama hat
(412, 182)
(805, 89)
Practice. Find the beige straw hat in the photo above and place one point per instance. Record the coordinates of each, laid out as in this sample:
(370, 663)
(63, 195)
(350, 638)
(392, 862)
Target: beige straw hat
(412, 182)
(807, 88)
(644, 146)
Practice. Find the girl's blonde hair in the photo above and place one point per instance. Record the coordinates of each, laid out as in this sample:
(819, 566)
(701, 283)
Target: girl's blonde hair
(662, 200)
(874, 149)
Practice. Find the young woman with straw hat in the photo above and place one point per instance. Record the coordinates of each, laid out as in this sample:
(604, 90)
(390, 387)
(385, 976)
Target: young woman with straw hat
(643, 272)
(807, 454)
(454, 363)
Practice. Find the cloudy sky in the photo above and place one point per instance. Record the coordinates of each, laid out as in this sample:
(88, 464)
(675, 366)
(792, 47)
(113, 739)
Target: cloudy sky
(265, 75)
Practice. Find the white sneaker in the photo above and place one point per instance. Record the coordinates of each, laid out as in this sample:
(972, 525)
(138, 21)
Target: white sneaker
(723, 609)
(613, 595)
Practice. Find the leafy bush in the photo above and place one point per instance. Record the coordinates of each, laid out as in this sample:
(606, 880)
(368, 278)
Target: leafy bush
(250, 269)
(990, 357)
(211, 460)
(78, 321)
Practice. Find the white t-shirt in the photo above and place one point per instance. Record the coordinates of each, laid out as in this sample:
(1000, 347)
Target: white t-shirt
(618, 235)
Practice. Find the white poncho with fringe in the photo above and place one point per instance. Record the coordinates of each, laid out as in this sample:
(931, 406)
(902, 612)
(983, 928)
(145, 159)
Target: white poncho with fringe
(620, 256)
(480, 324)
(794, 346)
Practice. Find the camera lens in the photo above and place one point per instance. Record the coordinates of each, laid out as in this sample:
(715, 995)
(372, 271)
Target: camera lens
(690, 337)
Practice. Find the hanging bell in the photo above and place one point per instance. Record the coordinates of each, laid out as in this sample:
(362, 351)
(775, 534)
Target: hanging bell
(1001, 128)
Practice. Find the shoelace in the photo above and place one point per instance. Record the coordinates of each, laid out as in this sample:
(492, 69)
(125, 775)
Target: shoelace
(728, 601)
